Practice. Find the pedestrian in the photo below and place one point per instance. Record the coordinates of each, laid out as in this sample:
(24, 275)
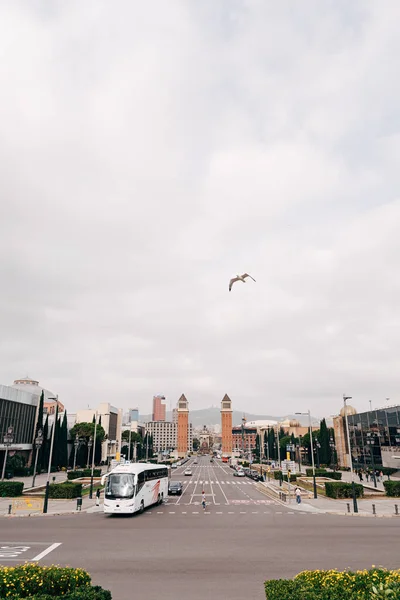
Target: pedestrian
(297, 491)
(367, 476)
(381, 476)
(360, 475)
(98, 497)
(203, 500)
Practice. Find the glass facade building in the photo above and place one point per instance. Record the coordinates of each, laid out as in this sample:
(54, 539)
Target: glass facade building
(375, 437)
(17, 410)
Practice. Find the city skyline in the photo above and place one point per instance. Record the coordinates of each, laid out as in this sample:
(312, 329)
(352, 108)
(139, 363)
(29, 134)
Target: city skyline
(151, 157)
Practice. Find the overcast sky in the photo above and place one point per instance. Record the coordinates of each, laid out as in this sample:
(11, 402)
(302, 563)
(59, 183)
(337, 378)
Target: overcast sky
(151, 150)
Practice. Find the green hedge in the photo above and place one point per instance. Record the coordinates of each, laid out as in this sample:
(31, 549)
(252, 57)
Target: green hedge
(388, 470)
(334, 585)
(324, 473)
(392, 488)
(46, 583)
(83, 473)
(339, 489)
(279, 475)
(65, 490)
(9, 489)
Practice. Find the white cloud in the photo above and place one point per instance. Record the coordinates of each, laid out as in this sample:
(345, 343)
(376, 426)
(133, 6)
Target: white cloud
(151, 152)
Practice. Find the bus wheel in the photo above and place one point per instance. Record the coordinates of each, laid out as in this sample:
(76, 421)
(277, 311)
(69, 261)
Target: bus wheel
(141, 509)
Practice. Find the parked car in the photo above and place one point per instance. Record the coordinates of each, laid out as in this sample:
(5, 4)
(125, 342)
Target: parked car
(175, 488)
(239, 473)
(188, 472)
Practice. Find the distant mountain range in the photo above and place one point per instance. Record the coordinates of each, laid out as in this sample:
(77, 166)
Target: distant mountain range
(212, 416)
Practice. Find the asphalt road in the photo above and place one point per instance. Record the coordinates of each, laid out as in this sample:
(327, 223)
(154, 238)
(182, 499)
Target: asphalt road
(178, 551)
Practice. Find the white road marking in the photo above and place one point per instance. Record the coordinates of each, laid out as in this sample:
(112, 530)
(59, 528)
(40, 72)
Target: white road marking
(230, 513)
(46, 552)
(195, 512)
(173, 512)
(242, 512)
(219, 512)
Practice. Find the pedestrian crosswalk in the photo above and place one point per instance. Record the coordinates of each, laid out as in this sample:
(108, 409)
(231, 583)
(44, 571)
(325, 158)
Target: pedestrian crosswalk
(216, 482)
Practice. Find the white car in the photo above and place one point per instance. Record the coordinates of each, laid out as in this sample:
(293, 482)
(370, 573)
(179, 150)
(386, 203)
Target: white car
(239, 473)
(188, 472)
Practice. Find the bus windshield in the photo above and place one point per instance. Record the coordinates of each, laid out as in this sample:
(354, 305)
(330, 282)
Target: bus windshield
(120, 485)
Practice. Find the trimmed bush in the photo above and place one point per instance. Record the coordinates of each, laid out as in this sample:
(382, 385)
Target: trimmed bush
(83, 473)
(387, 470)
(279, 475)
(65, 490)
(318, 473)
(334, 585)
(334, 475)
(339, 489)
(392, 488)
(9, 489)
(84, 593)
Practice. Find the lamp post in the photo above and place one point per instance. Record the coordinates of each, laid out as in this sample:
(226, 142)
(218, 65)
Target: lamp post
(332, 447)
(312, 450)
(77, 443)
(353, 486)
(89, 445)
(53, 430)
(370, 441)
(317, 447)
(38, 445)
(277, 444)
(8, 440)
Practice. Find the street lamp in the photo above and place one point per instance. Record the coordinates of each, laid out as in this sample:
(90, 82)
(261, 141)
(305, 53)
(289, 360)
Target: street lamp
(353, 486)
(312, 451)
(317, 447)
(333, 448)
(94, 450)
(370, 441)
(46, 494)
(89, 445)
(38, 445)
(77, 443)
(8, 440)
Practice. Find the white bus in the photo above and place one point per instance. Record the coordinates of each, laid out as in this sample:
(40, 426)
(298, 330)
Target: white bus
(131, 487)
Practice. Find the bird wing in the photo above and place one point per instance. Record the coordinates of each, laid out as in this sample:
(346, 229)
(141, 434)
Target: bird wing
(247, 275)
(232, 281)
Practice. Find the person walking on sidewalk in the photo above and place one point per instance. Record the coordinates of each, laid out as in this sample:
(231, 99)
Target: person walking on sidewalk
(98, 497)
(297, 491)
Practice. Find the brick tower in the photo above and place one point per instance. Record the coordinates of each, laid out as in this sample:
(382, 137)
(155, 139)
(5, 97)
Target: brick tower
(183, 426)
(226, 424)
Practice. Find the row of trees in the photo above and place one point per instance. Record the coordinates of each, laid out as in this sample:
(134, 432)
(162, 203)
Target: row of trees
(63, 456)
(144, 445)
(323, 438)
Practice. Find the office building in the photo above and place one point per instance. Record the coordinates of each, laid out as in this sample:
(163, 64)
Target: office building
(165, 435)
(18, 410)
(374, 437)
(158, 408)
(111, 421)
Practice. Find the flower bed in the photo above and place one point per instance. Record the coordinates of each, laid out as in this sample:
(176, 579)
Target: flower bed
(335, 585)
(44, 583)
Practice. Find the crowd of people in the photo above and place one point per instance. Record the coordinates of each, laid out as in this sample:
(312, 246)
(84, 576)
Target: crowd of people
(369, 474)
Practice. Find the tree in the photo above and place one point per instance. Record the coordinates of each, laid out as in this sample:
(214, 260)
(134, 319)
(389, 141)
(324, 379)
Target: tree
(196, 444)
(85, 431)
(44, 451)
(64, 441)
(325, 451)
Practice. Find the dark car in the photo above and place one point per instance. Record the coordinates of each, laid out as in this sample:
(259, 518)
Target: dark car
(175, 488)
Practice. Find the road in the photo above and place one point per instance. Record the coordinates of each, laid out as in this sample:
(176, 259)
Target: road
(178, 551)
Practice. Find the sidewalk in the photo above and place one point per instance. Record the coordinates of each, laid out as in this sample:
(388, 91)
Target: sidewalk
(55, 507)
(384, 507)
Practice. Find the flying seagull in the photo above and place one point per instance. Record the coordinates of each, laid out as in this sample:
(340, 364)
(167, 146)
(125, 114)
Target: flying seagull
(239, 278)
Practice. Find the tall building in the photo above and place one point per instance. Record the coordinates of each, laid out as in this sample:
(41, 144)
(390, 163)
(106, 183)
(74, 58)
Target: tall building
(133, 414)
(165, 435)
(111, 421)
(226, 424)
(18, 410)
(374, 437)
(158, 408)
(244, 439)
(183, 426)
